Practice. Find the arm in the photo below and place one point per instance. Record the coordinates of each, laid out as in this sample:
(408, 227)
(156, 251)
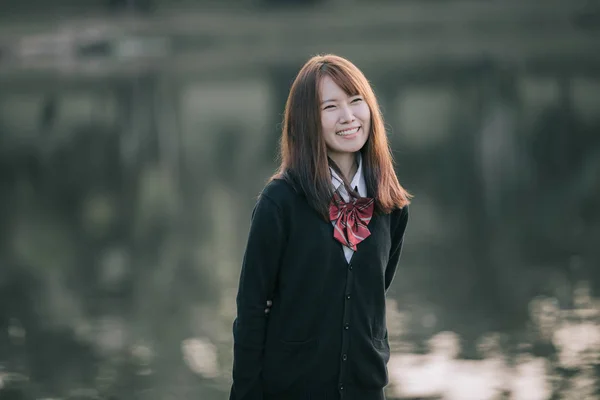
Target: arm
(257, 282)
(396, 250)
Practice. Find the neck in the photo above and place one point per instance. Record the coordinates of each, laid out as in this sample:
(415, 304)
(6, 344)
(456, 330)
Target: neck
(346, 163)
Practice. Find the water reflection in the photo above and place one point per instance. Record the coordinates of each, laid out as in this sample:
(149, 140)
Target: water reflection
(508, 368)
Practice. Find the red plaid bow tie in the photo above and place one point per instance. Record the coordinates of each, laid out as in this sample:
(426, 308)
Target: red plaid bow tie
(351, 219)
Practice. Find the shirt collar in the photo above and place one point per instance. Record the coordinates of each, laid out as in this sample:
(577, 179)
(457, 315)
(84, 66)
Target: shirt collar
(358, 181)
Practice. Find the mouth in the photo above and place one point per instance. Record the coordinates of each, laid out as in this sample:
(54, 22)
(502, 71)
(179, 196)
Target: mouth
(349, 131)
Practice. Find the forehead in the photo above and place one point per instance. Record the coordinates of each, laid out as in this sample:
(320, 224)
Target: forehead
(328, 88)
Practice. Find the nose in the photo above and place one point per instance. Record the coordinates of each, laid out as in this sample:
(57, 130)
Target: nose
(346, 115)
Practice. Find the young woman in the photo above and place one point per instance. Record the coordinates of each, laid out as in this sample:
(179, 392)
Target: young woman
(325, 239)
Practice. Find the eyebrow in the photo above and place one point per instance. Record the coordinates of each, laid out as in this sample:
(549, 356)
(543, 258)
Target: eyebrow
(328, 100)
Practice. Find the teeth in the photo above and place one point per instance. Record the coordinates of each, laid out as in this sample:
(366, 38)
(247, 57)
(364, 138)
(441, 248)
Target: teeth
(348, 132)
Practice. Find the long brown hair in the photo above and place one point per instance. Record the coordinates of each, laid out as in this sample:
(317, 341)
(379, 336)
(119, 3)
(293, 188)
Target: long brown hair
(303, 151)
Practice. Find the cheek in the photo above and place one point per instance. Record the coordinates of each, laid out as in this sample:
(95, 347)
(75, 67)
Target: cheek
(327, 122)
(366, 118)
(365, 114)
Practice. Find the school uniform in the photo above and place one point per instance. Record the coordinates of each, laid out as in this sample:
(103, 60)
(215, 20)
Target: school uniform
(325, 336)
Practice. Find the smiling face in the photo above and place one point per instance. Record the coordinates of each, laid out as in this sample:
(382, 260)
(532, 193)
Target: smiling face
(345, 120)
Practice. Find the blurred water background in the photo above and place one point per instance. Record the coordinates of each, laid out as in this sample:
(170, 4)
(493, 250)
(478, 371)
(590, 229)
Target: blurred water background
(135, 136)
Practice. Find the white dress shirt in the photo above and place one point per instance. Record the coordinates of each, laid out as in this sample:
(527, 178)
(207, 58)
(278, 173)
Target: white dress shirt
(358, 183)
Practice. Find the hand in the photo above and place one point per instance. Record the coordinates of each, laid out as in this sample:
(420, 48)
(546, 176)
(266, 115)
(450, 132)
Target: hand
(269, 304)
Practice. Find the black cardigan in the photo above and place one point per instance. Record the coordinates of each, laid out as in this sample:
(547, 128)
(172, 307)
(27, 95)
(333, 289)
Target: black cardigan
(325, 336)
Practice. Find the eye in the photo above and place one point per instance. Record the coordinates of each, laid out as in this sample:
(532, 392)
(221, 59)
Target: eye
(328, 107)
(356, 100)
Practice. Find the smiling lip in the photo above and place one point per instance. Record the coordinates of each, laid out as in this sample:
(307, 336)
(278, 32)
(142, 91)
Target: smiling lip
(357, 128)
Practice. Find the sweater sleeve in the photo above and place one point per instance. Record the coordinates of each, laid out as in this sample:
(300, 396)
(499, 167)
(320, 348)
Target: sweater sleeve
(396, 250)
(256, 285)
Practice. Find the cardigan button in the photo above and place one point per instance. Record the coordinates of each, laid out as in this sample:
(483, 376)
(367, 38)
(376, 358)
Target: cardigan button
(344, 357)
(347, 326)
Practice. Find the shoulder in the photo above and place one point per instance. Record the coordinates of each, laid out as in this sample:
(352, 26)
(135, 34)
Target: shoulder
(400, 217)
(279, 192)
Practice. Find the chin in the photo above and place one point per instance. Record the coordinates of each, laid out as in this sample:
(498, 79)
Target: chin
(346, 146)
(351, 147)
